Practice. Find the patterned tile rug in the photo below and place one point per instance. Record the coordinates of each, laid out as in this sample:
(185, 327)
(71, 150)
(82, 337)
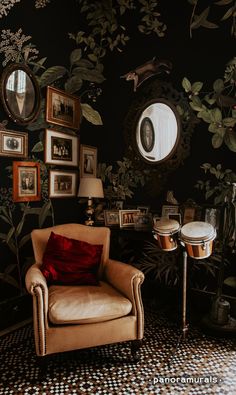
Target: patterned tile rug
(201, 365)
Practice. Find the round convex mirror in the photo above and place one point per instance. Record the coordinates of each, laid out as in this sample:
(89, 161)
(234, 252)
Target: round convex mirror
(157, 131)
(20, 93)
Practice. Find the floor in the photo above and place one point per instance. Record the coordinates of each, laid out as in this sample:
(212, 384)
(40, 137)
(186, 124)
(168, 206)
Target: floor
(201, 365)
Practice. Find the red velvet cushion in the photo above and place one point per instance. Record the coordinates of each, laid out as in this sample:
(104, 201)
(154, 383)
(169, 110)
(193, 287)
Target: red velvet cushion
(68, 261)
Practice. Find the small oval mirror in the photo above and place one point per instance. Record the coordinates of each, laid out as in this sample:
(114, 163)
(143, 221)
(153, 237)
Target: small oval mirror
(157, 131)
(20, 93)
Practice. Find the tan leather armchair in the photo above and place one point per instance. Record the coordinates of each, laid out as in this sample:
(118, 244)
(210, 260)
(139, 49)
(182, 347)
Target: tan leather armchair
(73, 317)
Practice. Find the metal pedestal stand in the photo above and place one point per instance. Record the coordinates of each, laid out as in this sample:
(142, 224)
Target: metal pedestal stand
(185, 325)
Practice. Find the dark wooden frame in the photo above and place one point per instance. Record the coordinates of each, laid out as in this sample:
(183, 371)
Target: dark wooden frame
(5, 99)
(108, 221)
(13, 152)
(72, 123)
(19, 167)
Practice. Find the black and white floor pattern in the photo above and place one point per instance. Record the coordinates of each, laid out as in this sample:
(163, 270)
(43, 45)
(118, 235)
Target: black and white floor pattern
(201, 365)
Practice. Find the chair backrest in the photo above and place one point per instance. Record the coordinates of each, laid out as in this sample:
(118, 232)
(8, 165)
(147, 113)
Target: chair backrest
(90, 234)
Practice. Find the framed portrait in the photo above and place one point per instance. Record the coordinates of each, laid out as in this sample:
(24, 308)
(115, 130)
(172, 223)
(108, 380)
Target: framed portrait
(88, 161)
(26, 181)
(127, 218)
(189, 214)
(168, 209)
(142, 221)
(143, 209)
(62, 108)
(13, 144)
(61, 148)
(147, 134)
(176, 217)
(118, 204)
(62, 183)
(111, 217)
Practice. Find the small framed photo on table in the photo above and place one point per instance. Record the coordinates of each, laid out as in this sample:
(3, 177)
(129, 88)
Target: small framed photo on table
(13, 144)
(111, 217)
(127, 218)
(62, 108)
(26, 181)
(169, 210)
(88, 161)
(62, 183)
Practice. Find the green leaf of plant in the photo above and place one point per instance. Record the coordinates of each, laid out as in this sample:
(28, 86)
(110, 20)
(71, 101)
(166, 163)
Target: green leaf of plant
(38, 65)
(90, 114)
(218, 85)
(3, 236)
(228, 14)
(38, 147)
(229, 121)
(217, 140)
(45, 211)
(73, 84)
(5, 219)
(89, 75)
(199, 19)
(10, 267)
(209, 25)
(10, 234)
(197, 86)
(75, 56)
(186, 84)
(230, 140)
(205, 115)
(24, 240)
(223, 2)
(52, 74)
(230, 281)
(216, 115)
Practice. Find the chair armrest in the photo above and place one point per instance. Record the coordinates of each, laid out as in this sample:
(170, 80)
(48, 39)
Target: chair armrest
(124, 277)
(34, 277)
(36, 285)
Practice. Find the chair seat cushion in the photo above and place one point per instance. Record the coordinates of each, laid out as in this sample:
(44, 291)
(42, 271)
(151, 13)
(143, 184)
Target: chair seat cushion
(69, 261)
(86, 304)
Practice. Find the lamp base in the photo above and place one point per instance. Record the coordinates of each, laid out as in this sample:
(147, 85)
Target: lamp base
(89, 222)
(89, 213)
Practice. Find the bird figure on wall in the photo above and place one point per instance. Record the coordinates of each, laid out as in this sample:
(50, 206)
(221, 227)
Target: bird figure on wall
(147, 70)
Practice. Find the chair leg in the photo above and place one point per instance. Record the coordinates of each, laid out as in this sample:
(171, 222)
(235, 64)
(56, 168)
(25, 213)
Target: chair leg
(135, 346)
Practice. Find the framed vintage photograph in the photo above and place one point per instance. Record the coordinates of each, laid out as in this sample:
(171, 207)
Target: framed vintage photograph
(143, 221)
(88, 161)
(61, 148)
(111, 217)
(26, 181)
(168, 209)
(143, 209)
(62, 183)
(62, 108)
(118, 204)
(13, 144)
(127, 217)
(176, 217)
(189, 214)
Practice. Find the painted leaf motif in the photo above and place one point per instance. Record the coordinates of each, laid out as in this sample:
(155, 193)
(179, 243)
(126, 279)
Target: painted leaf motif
(186, 84)
(217, 140)
(89, 75)
(230, 140)
(38, 147)
(91, 115)
(9, 279)
(73, 84)
(52, 74)
(75, 56)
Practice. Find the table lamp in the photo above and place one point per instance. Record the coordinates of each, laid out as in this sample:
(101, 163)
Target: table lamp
(90, 187)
